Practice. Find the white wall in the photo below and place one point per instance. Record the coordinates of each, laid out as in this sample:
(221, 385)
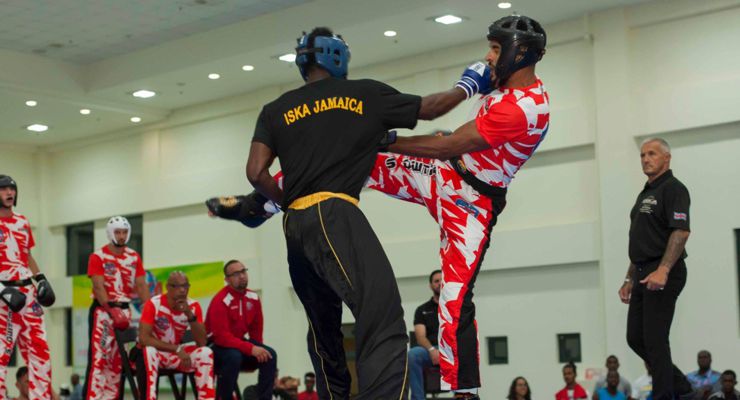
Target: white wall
(559, 252)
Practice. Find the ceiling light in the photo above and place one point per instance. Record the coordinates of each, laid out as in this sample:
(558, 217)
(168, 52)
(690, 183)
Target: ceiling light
(144, 94)
(390, 33)
(504, 5)
(85, 111)
(290, 57)
(448, 19)
(213, 76)
(135, 120)
(37, 128)
(31, 103)
(248, 67)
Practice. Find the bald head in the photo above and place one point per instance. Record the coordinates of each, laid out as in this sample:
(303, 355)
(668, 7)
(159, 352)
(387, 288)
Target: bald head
(177, 287)
(177, 277)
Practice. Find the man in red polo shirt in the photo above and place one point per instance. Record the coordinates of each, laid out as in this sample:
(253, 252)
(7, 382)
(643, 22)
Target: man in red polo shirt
(234, 312)
(164, 320)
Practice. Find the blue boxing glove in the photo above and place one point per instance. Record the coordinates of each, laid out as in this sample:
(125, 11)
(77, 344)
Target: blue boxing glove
(476, 79)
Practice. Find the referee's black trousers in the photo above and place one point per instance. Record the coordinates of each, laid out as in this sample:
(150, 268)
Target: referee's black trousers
(649, 324)
(335, 257)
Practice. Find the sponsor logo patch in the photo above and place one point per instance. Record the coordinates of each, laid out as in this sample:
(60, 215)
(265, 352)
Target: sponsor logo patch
(36, 309)
(469, 208)
(390, 163)
(162, 323)
(421, 167)
(647, 205)
(109, 268)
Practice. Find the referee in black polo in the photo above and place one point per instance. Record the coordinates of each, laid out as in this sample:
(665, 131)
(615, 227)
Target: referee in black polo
(657, 272)
(326, 135)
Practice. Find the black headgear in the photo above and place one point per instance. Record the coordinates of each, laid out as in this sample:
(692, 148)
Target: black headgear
(522, 41)
(6, 181)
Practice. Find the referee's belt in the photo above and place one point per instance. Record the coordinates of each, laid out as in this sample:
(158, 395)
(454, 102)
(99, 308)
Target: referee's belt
(115, 304)
(304, 202)
(18, 283)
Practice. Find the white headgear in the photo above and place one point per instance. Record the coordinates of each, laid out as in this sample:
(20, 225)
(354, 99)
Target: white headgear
(114, 223)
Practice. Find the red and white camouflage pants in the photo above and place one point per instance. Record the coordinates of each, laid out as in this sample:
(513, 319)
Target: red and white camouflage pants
(103, 380)
(465, 218)
(26, 327)
(201, 364)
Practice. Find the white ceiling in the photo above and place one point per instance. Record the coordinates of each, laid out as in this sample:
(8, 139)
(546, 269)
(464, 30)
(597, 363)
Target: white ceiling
(174, 44)
(85, 31)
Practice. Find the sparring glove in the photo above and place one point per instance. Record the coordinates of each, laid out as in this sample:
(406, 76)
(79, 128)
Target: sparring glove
(388, 139)
(12, 297)
(120, 320)
(476, 79)
(44, 293)
(249, 209)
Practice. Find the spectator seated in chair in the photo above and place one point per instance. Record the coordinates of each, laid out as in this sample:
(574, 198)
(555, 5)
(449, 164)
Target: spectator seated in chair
(234, 312)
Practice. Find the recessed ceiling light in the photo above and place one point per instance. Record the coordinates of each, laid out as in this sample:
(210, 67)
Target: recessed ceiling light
(31, 103)
(135, 120)
(85, 111)
(248, 67)
(290, 57)
(448, 19)
(37, 128)
(144, 94)
(213, 76)
(504, 5)
(390, 33)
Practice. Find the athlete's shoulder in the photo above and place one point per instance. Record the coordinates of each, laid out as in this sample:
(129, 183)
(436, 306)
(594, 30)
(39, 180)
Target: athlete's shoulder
(252, 295)
(156, 300)
(18, 217)
(131, 252)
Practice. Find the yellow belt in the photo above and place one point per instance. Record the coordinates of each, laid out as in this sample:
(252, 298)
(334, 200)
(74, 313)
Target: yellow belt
(304, 202)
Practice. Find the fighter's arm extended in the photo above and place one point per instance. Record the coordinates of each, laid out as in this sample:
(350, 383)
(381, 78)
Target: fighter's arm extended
(465, 139)
(475, 79)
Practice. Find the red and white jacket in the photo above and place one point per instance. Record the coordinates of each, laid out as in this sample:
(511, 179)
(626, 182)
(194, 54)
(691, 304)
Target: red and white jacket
(231, 316)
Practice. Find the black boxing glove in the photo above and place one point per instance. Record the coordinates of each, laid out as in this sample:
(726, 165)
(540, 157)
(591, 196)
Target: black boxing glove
(249, 209)
(12, 297)
(44, 293)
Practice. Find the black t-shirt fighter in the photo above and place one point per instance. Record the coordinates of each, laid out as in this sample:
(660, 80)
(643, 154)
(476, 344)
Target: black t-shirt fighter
(326, 132)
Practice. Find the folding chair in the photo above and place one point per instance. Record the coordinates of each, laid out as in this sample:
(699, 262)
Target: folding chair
(129, 336)
(124, 338)
(432, 378)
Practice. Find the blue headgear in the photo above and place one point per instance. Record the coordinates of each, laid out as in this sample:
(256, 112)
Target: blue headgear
(328, 52)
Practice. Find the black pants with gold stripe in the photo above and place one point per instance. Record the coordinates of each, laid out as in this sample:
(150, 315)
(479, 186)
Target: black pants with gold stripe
(335, 257)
